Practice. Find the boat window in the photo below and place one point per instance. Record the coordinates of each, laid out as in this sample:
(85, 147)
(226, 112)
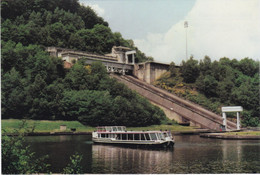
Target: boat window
(136, 136)
(124, 137)
(147, 136)
(142, 137)
(153, 136)
(158, 136)
(103, 135)
(130, 136)
(162, 135)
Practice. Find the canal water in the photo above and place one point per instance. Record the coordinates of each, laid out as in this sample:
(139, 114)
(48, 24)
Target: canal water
(191, 154)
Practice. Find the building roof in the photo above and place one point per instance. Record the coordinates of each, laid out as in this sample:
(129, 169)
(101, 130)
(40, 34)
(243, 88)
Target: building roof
(122, 47)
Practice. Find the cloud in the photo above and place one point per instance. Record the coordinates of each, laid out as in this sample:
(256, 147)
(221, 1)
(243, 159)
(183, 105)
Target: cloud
(217, 28)
(100, 11)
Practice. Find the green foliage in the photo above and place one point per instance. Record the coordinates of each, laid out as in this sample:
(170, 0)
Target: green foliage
(248, 67)
(13, 94)
(18, 159)
(190, 70)
(172, 69)
(36, 86)
(74, 166)
(60, 23)
(248, 120)
(220, 83)
(207, 84)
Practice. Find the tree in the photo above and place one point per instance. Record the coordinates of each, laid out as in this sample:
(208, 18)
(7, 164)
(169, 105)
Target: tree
(119, 40)
(78, 78)
(189, 70)
(89, 107)
(13, 95)
(249, 120)
(101, 39)
(248, 67)
(205, 65)
(8, 56)
(207, 84)
(172, 69)
(36, 98)
(90, 17)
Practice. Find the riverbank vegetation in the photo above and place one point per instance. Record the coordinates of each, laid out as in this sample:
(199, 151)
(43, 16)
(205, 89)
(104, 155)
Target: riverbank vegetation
(215, 84)
(18, 158)
(36, 86)
(40, 126)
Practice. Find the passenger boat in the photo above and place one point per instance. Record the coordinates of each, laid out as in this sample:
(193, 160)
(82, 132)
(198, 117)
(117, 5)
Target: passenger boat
(120, 136)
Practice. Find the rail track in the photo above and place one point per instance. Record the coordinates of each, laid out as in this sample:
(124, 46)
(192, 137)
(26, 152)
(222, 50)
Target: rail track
(184, 108)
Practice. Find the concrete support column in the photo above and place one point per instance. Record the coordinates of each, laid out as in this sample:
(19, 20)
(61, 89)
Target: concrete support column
(123, 71)
(238, 121)
(126, 59)
(133, 57)
(224, 120)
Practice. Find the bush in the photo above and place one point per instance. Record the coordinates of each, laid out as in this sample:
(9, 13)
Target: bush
(18, 158)
(74, 166)
(248, 120)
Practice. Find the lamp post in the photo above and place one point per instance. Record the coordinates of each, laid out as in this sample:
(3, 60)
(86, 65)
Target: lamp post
(186, 26)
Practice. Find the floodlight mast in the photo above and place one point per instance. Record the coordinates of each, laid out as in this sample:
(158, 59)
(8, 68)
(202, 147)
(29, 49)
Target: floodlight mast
(186, 26)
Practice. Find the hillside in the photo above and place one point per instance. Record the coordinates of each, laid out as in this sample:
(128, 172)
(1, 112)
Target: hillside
(36, 86)
(215, 84)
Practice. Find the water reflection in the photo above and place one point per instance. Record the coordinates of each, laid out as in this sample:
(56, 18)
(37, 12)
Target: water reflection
(129, 160)
(191, 154)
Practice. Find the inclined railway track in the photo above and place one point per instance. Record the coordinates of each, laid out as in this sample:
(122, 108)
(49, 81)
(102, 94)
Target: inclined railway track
(184, 108)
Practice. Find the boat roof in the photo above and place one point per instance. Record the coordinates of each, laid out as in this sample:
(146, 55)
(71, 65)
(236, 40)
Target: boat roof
(109, 126)
(122, 130)
(131, 132)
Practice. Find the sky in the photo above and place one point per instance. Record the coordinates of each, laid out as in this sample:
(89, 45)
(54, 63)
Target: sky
(216, 28)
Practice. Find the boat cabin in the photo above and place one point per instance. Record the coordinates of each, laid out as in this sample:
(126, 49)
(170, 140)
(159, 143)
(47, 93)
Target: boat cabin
(120, 133)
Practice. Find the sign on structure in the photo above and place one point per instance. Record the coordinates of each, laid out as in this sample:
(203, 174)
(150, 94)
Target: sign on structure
(236, 109)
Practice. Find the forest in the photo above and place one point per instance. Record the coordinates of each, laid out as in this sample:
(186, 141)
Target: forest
(36, 86)
(216, 84)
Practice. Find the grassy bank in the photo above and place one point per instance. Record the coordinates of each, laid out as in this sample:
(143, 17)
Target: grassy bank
(11, 125)
(244, 133)
(174, 128)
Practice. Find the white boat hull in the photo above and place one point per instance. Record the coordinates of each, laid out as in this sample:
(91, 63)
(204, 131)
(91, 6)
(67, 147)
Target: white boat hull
(151, 143)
